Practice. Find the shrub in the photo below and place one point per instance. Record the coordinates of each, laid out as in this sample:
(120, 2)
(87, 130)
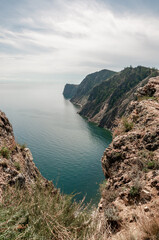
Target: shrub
(128, 125)
(17, 165)
(113, 219)
(147, 160)
(22, 146)
(5, 152)
(134, 191)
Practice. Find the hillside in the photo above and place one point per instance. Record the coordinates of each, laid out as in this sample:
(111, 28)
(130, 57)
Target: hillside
(70, 90)
(32, 208)
(89, 82)
(109, 99)
(130, 199)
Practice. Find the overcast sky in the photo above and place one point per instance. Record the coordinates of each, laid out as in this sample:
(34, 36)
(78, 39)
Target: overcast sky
(67, 39)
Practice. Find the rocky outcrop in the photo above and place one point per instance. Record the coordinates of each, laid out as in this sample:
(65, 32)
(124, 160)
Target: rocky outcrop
(131, 164)
(110, 99)
(16, 161)
(88, 83)
(70, 90)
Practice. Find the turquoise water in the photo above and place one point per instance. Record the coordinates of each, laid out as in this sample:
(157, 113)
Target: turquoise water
(66, 148)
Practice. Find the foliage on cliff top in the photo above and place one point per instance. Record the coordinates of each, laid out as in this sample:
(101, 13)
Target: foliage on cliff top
(41, 214)
(91, 81)
(119, 84)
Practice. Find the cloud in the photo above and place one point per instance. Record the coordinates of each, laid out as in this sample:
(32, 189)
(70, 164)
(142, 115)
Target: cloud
(74, 38)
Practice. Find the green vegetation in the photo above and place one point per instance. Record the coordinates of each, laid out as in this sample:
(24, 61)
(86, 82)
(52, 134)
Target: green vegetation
(90, 82)
(5, 152)
(115, 91)
(134, 191)
(128, 125)
(17, 165)
(42, 213)
(22, 146)
(147, 161)
(147, 98)
(70, 90)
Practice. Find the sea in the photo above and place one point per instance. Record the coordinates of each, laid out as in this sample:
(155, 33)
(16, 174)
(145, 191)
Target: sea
(66, 148)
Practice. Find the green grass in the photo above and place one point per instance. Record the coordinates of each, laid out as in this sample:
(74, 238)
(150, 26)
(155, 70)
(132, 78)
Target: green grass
(22, 146)
(41, 214)
(146, 98)
(128, 125)
(17, 165)
(5, 152)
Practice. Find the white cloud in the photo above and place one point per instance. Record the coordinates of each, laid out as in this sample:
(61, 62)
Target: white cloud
(76, 39)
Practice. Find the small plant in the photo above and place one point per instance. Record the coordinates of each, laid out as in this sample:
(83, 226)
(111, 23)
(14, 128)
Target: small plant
(151, 164)
(128, 125)
(5, 152)
(17, 165)
(113, 219)
(147, 160)
(134, 191)
(22, 146)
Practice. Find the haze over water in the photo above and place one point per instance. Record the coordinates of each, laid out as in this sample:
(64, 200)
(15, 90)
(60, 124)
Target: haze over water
(66, 148)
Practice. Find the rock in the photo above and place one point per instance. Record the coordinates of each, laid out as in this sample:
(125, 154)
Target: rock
(19, 180)
(146, 209)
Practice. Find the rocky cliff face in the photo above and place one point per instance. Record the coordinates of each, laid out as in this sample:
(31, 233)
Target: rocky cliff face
(16, 161)
(130, 199)
(110, 99)
(88, 83)
(70, 90)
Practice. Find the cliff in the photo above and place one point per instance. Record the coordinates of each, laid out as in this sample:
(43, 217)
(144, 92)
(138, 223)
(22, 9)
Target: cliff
(16, 161)
(88, 83)
(70, 90)
(130, 198)
(109, 100)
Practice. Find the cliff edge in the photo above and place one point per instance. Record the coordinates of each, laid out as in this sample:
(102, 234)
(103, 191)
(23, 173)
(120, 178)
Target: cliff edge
(16, 161)
(130, 198)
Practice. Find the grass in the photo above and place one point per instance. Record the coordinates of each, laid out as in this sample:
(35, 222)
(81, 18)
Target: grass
(17, 165)
(5, 152)
(150, 228)
(41, 214)
(147, 161)
(146, 98)
(22, 146)
(128, 125)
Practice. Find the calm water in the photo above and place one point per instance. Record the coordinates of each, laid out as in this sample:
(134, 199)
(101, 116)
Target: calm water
(66, 148)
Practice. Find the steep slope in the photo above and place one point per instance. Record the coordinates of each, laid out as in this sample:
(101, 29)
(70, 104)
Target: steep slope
(30, 206)
(109, 100)
(87, 85)
(130, 201)
(16, 161)
(70, 90)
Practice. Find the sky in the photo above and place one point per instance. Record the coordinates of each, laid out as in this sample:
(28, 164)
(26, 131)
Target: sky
(64, 40)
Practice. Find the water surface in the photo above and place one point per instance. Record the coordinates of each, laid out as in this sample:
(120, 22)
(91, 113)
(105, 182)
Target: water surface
(66, 148)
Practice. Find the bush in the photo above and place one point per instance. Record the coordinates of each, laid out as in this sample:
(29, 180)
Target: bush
(5, 152)
(128, 125)
(17, 165)
(22, 146)
(147, 160)
(134, 191)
